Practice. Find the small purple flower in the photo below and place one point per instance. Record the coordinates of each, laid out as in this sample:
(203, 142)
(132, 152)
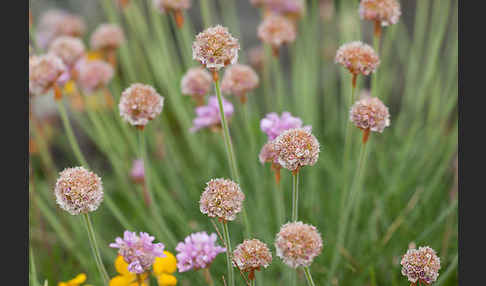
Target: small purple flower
(138, 251)
(197, 251)
(138, 171)
(273, 125)
(208, 115)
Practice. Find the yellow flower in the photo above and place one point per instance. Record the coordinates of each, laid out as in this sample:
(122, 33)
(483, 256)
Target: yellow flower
(93, 55)
(126, 278)
(164, 267)
(70, 87)
(76, 281)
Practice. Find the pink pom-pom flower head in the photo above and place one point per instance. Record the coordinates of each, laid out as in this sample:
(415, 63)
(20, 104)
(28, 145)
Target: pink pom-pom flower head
(421, 265)
(56, 23)
(239, 79)
(208, 116)
(139, 104)
(138, 251)
(107, 38)
(222, 199)
(45, 73)
(68, 49)
(369, 114)
(196, 82)
(381, 12)
(197, 251)
(276, 31)
(358, 58)
(251, 255)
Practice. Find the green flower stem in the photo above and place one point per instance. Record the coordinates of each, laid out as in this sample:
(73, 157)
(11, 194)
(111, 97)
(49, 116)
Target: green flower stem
(253, 282)
(376, 47)
(279, 203)
(308, 276)
(295, 196)
(70, 134)
(349, 133)
(95, 250)
(33, 272)
(226, 236)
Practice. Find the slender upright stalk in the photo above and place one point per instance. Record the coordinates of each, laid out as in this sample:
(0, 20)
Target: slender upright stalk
(95, 250)
(295, 196)
(347, 139)
(376, 46)
(231, 275)
(308, 276)
(33, 272)
(70, 134)
(253, 282)
(207, 276)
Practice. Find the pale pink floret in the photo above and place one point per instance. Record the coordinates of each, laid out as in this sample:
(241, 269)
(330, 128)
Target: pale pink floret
(68, 49)
(251, 255)
(197, 251)
(209, 115)
(196, 81)
(296, 148)
(421, 265)
(107, 37)
(239, 79)
(55, 23)
(386, 12)
(94, 74)
(138, 251)
(297, 244)
(273, 125)
(222, 199)
(78, 190)
(139, 104)
(215, 48)
(369, 113)
(44, 72)
(358, 58)
(276, 30)
(172, 5)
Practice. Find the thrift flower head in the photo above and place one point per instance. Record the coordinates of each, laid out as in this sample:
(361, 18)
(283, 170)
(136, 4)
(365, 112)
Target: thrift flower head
(384, 11)
(268, 153)
(286, 7)
(256, 57)
(421, 265)
(297, 244)
(215, 48)
(273, 125)
(78, 190)
(68, 49)
(139, 104)
(370, 113)
(125, 277)
(239, 79)
(76, 281)
(276, 30)
(94, 74)
(251, 255)
(196, 81)
(44, 72)
(358, 58)
(138, 251)
(209, 116)
(221, 198)
(55, 23)
(107, 37)
(296, 148)
(172, 5)
(197, 251)
(137, 173)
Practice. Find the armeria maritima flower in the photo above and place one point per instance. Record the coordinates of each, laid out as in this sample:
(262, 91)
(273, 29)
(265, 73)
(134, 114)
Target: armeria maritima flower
(137, 173)
(369, 113)
(256, 57)
(251, 255)
(276, 30)
(209, 115)
(176, 7)
(68, 49)
(268, 153)
(139, 104)
(107, 37)
(78, 190)
(358, 58)
(296, 148)
(94, 74)
(421, 265)
(238, 80)
(138, 251)
(215, 48)
(196, 82)
(44, 73)
(55, 23)
(297, 244)
(197, 251)
(222, 198)
(273, 125)
(292, 8)
(385, 12)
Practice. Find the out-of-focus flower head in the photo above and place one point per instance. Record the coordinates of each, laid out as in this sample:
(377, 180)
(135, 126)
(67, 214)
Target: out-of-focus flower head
(239, 79)
(268, 153)
(45, 72)
(290, 8)
(421, 265)
(68, 49)
(251, 255)
(107, 37)
(55, 23)
(215, 48)
(296, 148)
(276, 30)
(78, 190)
(256, 57)
(369, 113)
(197, 251)
(137, 173)
(176, 7)
(139, 104)
(138, 251)
(209, 116)
(298, 244)
(386, 12)
(196, 81)
(222, 199)
(93, 74)
(358, 58)
(273, 125)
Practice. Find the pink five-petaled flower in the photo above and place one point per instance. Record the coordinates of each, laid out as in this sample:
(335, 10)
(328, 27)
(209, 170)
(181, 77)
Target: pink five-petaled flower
(138, 251)
(209, 116)
(273, 125)
(421, 265)
(197, 251)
